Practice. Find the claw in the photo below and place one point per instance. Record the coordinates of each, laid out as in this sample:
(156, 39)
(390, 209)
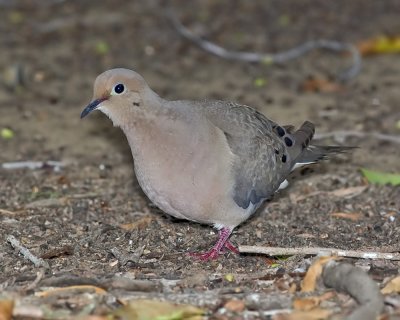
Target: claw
(218, 248)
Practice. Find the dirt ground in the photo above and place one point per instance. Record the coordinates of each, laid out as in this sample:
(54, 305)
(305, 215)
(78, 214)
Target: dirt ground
(89, 219)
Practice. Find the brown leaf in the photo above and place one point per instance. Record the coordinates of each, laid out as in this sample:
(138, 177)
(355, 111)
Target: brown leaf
(308, 303)
(321, 85)
(71, 289)
(235, 305)
(353, 216)
(379, 45)
(152, 309)
(52, 253)
(348, 192)
(10, 213)
(63, 180)
(292, 288)
(296, 198)
(305, 304)
(310, 279)
(141, 223)
(393, 286)
(6, 309)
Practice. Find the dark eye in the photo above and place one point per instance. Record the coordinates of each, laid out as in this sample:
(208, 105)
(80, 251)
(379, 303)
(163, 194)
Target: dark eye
(119, 88)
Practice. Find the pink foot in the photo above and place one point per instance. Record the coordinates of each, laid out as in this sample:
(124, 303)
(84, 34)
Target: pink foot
(231, 247)
(205, 256)
(216, 250)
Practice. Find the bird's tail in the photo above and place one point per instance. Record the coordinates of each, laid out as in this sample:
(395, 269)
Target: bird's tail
(314, 153)
(306, 153)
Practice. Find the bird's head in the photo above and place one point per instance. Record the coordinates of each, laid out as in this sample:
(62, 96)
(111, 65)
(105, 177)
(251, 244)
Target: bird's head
(116, 93)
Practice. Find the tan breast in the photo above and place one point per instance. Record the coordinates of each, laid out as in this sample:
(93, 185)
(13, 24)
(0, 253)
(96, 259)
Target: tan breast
(186, 170)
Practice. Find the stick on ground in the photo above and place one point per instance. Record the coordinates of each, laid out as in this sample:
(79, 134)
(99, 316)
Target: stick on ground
(38, 262)
(270, 58)
(276, 251)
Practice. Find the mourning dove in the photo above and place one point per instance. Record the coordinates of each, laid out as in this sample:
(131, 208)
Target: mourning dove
(212, 162)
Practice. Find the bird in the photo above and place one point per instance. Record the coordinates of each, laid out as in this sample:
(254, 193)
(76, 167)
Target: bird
(211, 162)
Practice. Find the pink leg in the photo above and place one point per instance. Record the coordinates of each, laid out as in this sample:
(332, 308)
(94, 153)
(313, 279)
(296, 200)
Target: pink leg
(231, 247)
(222, 242)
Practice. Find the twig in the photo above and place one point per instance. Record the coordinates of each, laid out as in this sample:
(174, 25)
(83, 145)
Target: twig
(66, 280)
(254, 314)
(84, 195)
(38, 262)
(47, 203)
(39, 277)
(73, 289)
(270, 58)
(26, 311)
(33, 165)
(276, 251)
(66, 250)
(124, 258)
(12, 3)
(116, 282)
(342, 135)
(354, 281)
(10, 213)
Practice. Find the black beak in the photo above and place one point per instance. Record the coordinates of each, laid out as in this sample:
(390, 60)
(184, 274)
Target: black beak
(92, 106)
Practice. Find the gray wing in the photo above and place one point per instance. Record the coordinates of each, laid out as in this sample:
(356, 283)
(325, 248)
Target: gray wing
(263, 157)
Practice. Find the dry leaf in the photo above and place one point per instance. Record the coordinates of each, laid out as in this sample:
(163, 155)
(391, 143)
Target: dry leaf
(320, 85)
(143, 309)
(378, 45)
(353, 216)
(296, 198)
(72, 289)
(292, 288)
(141, 223)
(348, 192)
(48, 203)
(314, 314)
(306, 304)
(393, 286)
(344, 192)
(234, 305)
(6, 309)
(310, 280)
(10, 213)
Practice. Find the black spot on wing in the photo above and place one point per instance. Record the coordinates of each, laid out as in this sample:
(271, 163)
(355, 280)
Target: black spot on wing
(242, 202)
(280, 131)
(252, 197)
(288, 142)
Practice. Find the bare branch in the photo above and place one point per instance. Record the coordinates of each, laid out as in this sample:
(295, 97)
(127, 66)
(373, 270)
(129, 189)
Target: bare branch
(271, 58)
(8, 212)
(38, 262)
(39, 277)
(276, 251)
(33, 165)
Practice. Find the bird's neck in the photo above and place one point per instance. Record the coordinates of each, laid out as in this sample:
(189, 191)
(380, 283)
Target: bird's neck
(153, 127)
